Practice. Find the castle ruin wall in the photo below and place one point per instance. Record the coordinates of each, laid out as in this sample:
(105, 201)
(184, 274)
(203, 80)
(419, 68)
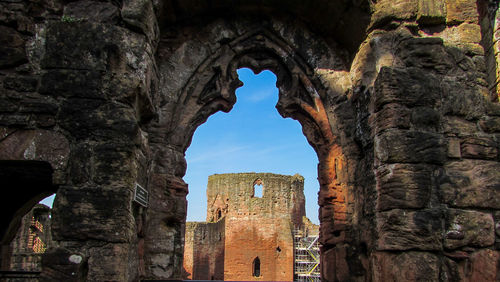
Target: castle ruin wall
(399, 99)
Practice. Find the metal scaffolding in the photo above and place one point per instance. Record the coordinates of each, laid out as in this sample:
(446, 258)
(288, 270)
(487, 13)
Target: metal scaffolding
(306, 257)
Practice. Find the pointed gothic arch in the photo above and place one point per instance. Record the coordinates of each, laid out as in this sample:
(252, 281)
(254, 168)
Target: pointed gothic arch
(304, 95)
(402, 129)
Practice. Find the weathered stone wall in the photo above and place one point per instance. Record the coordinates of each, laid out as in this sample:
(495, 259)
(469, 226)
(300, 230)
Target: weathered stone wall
(436, 159)
(233, 195)
(258, 227)
(268, 239)
(489, 23)
(74, 91)
(204, 250)
(394, 96)
(241, 227)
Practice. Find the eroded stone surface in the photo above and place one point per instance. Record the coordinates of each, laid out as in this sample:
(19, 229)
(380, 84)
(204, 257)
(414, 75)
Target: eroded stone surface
(57, 264)
(91, 11)
(394, 96)
(461, 11)
(12, 50)
(469, 228)
(410, 266)
(484, 265)
(404, 230)
(40, 145)
(397, 146)
(403, 186)
(471, 183)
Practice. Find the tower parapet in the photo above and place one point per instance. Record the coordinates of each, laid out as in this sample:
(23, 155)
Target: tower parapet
(237, 195)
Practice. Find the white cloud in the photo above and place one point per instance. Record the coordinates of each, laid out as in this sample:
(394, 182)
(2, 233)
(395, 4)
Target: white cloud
(260, 95)
(211, 155)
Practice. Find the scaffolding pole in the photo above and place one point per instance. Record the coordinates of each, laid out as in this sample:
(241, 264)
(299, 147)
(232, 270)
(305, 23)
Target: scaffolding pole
(306, 257)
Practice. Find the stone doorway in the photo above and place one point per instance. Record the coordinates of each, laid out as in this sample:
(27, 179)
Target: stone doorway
(211, 87)
(253, 224)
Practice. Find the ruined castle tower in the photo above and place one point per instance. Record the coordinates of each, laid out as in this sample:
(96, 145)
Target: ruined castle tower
(248, 233)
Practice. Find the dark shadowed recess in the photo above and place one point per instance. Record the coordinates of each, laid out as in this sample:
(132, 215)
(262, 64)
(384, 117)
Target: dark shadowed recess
(344, 21)
(24, 184)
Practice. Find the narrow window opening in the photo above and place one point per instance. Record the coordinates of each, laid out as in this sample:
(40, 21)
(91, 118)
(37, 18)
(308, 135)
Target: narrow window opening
(258, 188)
(219, 215)
(256, 267)
(257, 191)
(335, 169)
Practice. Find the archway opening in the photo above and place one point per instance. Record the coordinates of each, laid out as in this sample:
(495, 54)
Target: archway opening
(25, 222)
(33, 238)
(308, 93)
(253, 137)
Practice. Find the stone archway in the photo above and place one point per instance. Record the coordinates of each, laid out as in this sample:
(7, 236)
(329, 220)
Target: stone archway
(303, 94)
(399, 113)
(32, 164)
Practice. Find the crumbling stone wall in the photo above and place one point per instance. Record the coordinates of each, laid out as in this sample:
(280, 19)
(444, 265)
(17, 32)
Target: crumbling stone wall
(233, 194)
(241, 227)
(261, 226)
(204, 250)
(31, 241)
(432, 146)
(74, 83)
(394, 97)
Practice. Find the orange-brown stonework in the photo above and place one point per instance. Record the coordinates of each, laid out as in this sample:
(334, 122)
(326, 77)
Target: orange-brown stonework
(399, 100)
(242, 227)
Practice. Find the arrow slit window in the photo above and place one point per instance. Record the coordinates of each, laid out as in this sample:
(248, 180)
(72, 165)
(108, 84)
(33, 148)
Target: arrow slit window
(256, 267)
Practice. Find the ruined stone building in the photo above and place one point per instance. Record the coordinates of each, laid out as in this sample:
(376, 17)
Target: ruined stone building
(31, 241)
(398, 98)
(247, 236)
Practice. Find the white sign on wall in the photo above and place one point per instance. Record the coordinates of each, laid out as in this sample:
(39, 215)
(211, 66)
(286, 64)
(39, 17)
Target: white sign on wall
(141, 195)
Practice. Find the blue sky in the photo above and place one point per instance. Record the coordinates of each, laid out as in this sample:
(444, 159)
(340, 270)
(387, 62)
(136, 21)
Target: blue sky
(253, 137)
(48, 201)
